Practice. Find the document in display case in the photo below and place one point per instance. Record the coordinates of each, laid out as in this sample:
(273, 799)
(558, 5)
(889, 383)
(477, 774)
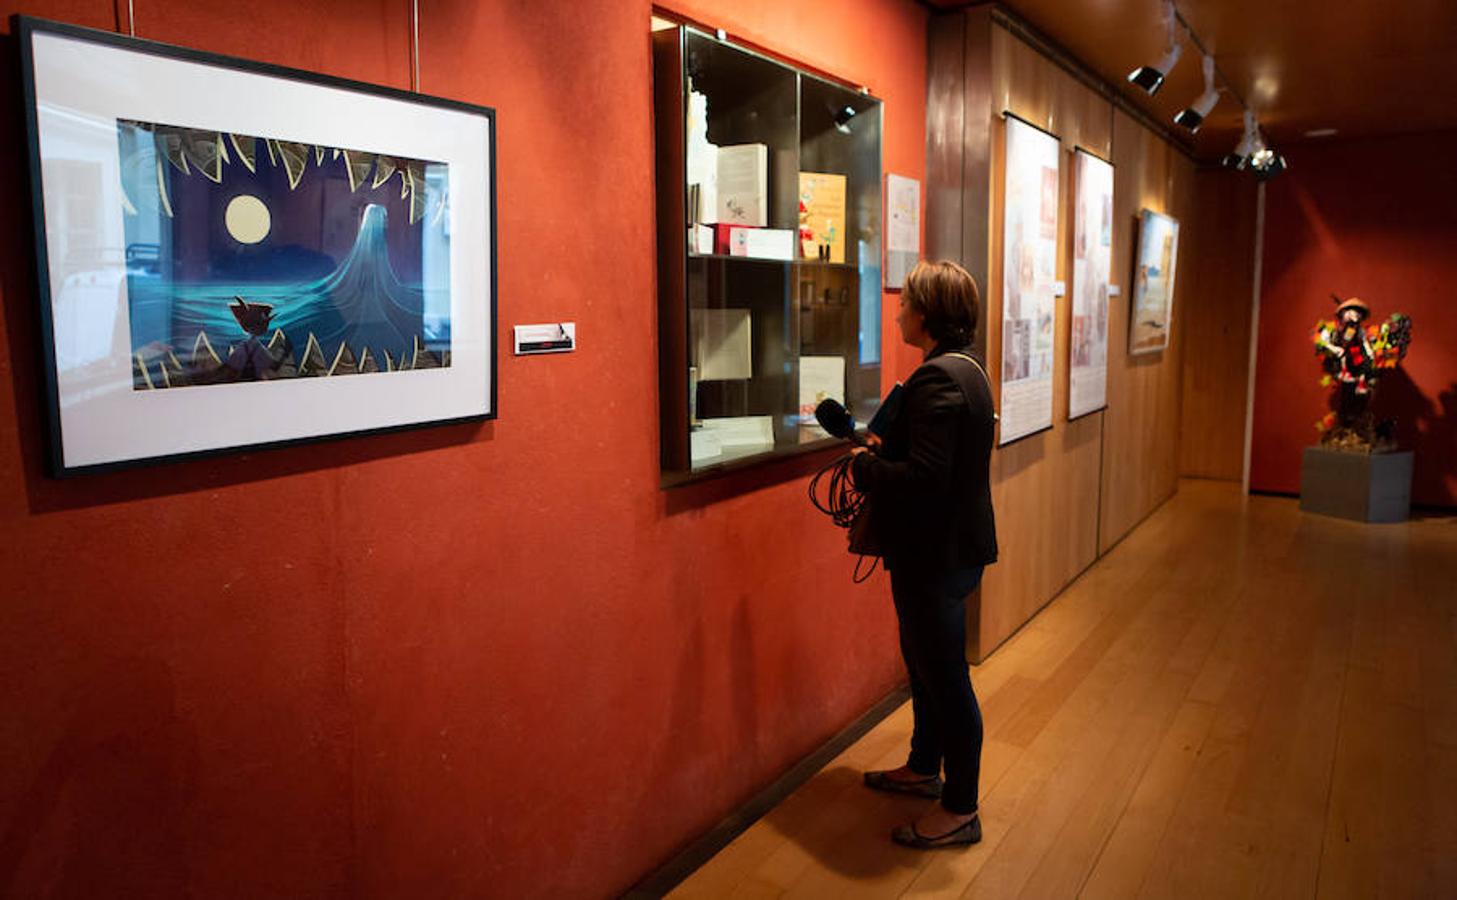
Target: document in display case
(822, 216)
(821, 378)
(743, 185)
(723, 344)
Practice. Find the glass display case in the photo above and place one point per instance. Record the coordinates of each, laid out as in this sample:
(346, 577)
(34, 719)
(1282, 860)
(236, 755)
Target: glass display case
(769, 248)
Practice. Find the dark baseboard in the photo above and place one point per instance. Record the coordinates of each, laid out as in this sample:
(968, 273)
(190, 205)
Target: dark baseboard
(1261, 492)
(692, 857)
(1419, 510)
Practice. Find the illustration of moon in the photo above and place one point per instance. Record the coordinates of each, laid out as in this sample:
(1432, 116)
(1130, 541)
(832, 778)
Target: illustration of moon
(247, 219)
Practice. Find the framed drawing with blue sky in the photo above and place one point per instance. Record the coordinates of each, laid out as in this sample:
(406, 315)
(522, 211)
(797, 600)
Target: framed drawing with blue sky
(232, 254)
(1153, 283)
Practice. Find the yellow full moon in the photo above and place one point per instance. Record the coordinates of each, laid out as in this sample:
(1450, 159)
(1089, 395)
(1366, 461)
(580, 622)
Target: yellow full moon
(247, 219)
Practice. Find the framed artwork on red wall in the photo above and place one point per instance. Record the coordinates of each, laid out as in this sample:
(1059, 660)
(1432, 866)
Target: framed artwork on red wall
(237, 255)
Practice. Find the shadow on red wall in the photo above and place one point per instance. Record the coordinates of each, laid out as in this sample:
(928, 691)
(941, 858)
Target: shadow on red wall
(1423, 418)
(1374, 218)
(124, 756)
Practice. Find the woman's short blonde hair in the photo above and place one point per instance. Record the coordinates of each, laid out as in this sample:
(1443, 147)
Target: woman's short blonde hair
(945, 295)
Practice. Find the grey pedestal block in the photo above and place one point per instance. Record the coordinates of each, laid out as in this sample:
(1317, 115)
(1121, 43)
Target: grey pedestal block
(1367, 487)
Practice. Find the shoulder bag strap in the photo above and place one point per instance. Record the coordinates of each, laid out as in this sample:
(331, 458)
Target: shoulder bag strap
(985, 377)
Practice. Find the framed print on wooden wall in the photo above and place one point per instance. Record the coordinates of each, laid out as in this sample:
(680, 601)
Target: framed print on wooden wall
(1153, 283)
(1092, 262)
(1029, 271)
(233, 254)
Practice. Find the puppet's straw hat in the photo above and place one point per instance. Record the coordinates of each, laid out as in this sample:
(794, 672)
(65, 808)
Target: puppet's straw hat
(1354, 303)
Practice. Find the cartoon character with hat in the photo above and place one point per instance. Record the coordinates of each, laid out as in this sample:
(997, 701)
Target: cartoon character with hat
(251, 360)
(1348, 352)
(1352, 353)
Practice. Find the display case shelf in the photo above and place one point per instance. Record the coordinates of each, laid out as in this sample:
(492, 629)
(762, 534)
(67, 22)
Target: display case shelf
(815, 263)
(747, 343)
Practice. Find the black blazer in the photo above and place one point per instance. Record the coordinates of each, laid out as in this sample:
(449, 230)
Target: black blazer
(929, 483)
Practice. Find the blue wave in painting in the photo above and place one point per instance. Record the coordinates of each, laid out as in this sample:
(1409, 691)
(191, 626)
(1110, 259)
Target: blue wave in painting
(362, 302)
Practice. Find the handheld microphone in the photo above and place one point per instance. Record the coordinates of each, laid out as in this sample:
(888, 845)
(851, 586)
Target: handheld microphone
(834, 418)
(843, 502)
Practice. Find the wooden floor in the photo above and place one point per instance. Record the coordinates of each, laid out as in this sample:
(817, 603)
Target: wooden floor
(1238, 701)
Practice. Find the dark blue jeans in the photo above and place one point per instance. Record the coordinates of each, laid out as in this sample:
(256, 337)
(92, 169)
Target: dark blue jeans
(931, 609)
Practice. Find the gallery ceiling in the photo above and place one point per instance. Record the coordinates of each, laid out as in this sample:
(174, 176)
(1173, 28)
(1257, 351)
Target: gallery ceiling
(1361, 67)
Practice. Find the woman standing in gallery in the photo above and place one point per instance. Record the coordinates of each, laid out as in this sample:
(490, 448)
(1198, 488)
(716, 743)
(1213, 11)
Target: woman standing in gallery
(929, 487)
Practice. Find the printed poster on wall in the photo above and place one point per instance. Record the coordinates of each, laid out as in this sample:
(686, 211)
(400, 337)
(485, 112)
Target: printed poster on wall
(1029, 269)
(1092, 258)
(1153, 283)
(902, 230)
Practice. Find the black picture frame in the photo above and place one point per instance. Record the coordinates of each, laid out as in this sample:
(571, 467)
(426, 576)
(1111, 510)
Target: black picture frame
(1072, 279)
(27, 28)
(1144, 223)
(1008, 116)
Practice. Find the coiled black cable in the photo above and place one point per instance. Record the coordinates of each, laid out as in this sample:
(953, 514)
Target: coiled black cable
(842, 501)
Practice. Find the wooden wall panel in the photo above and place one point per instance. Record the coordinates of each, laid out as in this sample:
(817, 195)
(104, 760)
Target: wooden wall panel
(946, 145)
(1141, 425)
(1221, 281)
(1045, 487)
(1065, 496)
(957, 145)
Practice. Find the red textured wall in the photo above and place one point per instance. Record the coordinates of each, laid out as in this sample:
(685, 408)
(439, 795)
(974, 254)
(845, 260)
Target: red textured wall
(473, 661)
(1376, 219)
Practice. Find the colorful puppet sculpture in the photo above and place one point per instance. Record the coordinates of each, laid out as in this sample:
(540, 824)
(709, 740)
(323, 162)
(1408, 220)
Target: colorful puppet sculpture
(1353, 355)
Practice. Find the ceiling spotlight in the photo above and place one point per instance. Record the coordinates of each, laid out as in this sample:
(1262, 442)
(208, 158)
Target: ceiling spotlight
(843, 115)
(1193, 115)
(1267, 164)
(1151, 78)
(1254, 154)
(1278, 165)
(1273, 167)
(1250, 143)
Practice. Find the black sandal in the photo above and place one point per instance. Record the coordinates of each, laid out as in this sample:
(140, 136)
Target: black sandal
(962, 835)
(930, 786)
